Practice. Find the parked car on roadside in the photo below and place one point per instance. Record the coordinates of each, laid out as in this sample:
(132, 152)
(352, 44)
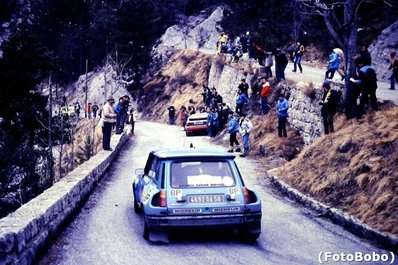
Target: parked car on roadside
(68, 110)
(195, 188)
(196, 123)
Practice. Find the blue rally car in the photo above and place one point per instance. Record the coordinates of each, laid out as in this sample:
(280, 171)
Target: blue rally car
(193, 188)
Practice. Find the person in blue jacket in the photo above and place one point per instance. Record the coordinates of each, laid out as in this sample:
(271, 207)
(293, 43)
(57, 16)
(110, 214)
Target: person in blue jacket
(212, 122)
(334, 62)
(282, 106)
(233, 129)
(241, 100)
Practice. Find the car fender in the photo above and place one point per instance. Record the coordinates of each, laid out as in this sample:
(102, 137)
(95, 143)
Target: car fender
(255, 206)
(147, 192)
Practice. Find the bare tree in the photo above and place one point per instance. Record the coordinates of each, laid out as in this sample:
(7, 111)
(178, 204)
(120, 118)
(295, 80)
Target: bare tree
(120, 66)
(341, 18)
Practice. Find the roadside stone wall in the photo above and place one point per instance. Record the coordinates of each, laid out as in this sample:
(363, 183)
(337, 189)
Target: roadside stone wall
(304, 112)
(25, 232)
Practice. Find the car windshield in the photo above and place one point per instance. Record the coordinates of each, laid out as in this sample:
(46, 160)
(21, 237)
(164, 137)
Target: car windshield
(190, 174)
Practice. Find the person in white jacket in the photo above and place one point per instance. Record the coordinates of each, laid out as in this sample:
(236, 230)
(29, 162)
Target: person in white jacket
(245, 127)
(109, 119)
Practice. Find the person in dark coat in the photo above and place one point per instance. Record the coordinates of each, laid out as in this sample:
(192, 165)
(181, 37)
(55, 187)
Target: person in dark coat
(329, 107)
(366, 83)
(233, 129)
(298, 54)
(172, 114)
(394, 67)
(244, 87)
(280, 65)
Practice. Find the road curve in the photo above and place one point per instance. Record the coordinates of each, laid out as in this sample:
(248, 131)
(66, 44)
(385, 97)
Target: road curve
(107, 231)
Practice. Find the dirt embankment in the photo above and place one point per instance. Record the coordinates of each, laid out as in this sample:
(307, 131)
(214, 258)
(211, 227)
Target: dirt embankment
(354, 169)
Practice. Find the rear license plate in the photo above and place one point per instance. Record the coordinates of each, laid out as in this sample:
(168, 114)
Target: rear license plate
(205, 198)
(198, 122)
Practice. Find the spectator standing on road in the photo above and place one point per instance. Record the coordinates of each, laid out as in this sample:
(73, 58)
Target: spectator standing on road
(125, 111)
(95, 109)
(119, 112)
(191, 110)
(132, 119)
(233, 129)
(109, 118)
(77, 109)
(89, 110)
(212, 122)
(183, 117)
(333, 66)
(245, 127)
(298, 54)
(280, 65)
(341, 69)
(290, 49)
(282, 106)
(172, 112)
(329, 102)
(264, 94)
(367, 84)
(394, 68)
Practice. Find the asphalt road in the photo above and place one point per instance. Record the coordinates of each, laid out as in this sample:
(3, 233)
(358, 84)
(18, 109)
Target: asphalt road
(107, 231)
(316, 75)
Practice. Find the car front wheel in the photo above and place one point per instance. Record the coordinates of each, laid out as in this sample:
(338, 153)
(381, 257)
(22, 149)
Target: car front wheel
(137, 208)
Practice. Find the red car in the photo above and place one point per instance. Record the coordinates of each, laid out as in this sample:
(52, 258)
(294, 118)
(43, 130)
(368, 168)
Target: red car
(196, 123)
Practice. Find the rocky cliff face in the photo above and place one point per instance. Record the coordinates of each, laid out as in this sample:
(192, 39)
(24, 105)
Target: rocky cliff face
(195, 33)
(381, 48)
(202, 35)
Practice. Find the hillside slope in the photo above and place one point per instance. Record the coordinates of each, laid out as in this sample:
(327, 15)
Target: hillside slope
(178, 83)
(354, 169)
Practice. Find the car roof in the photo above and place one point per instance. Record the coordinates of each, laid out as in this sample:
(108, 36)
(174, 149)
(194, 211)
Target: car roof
(199, 115)
(191, 152)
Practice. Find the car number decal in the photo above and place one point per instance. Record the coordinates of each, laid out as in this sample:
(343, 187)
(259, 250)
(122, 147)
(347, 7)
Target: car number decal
(234, 190)
(175, 193)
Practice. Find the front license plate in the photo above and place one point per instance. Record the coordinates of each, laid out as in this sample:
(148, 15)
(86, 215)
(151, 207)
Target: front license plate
(205, 198)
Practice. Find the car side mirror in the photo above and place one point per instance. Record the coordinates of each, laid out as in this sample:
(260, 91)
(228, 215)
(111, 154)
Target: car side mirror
(139, 171)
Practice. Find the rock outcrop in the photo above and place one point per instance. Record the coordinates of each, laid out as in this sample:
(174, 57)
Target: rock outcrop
(381, 48)
(195, 33)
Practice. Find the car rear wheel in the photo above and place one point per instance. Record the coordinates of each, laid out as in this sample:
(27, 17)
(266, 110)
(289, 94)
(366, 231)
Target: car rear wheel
(137, 208)
(250, 233)
(146, 228)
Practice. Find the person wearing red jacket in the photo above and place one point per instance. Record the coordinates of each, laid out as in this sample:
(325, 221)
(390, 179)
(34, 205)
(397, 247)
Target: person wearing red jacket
(264, 94)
